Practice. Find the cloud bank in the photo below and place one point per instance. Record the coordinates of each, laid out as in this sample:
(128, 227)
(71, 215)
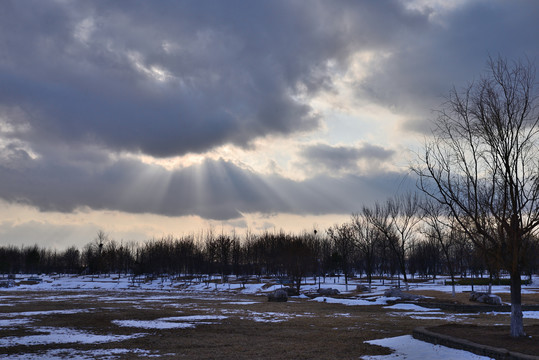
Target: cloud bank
(214, 189)
(84, 84)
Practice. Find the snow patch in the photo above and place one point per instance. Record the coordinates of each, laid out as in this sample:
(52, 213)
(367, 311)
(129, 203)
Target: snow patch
(13, 322)
(49, 312)
(525, 314)
(52, 335)
(153, 324)
(406, 347)
(530, 314)
(62, 354)
(409, 307)
(354, 302)
(174, 322)
(242, 302)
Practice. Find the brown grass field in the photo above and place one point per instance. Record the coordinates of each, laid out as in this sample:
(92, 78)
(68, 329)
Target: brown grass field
(306, 329)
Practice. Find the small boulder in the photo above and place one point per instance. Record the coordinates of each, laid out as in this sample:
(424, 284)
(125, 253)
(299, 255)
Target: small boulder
(7, 283)
(398, 293)
(279, 295)
(485, 298)
(328, 291)
(291, 291)
(362, 288)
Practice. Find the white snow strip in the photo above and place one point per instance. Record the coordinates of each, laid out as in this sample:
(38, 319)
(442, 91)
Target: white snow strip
(49, 312)
(341, 315)
(268, 320)
(406, 347)
(242, 302)
(428, 317)
(354, 302)
(272, 317)
(62, 354)
(153, 324)
(174, 322)
(525, 314)
(410, 307)
(13, 322)
(194, 318)
(530, 314)
(62, 336)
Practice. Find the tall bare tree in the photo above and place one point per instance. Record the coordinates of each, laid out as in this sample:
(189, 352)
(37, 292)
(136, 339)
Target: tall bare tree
(368, 238)
(397, 220)
(440, 227)
(344, 243)
(482, 164)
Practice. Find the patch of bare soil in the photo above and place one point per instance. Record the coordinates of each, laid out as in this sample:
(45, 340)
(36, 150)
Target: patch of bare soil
(495, 336)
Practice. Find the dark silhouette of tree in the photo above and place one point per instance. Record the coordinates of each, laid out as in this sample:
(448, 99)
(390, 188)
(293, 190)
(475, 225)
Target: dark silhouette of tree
(344, 245)
(441, 228)
(70, 260)
(368, 241)
(481, 163)
(31, 259)
(397, 220)
(296, 257)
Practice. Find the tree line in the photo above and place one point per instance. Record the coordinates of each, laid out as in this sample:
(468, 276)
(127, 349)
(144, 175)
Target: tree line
(399, 238)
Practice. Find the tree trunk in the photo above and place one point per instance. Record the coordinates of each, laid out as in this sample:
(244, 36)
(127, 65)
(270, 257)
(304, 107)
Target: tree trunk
(452, 284)
(517, 323)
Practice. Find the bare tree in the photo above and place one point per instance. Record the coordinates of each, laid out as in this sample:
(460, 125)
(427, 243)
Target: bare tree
(397, 220)
(441, 227)
(482, 164)
(343, 239)
(297, 259)
(368, 239)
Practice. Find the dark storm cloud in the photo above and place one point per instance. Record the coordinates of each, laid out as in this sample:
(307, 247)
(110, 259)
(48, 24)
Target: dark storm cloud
(82, 82)
(213, 189)
(231, 71)
(336, 158)
(451, 51)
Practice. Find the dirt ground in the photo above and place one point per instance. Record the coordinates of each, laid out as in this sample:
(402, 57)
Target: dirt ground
(495, 336)
(491, 335)
(250, 327)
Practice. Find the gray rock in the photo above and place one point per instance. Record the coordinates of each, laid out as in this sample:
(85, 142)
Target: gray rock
(7, 283)
(485, 298)
(291, 291)
(279, 295)
(398, 293)
(362, 288)
(328, 291)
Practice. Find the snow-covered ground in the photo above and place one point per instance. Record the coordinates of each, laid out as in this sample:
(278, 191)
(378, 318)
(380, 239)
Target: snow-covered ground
(114, 282)
(166, 292)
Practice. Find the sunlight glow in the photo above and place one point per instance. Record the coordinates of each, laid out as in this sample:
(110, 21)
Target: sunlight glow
(171, 163)
(154, 72)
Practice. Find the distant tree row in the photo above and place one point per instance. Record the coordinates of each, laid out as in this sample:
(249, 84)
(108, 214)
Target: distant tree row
(401, 237)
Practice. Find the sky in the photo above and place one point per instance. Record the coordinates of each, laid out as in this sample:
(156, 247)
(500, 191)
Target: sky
(153, 118)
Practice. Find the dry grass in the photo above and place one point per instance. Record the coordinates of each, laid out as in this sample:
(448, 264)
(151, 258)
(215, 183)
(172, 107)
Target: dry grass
(495, 336)
(311, 329)
(464, 297)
